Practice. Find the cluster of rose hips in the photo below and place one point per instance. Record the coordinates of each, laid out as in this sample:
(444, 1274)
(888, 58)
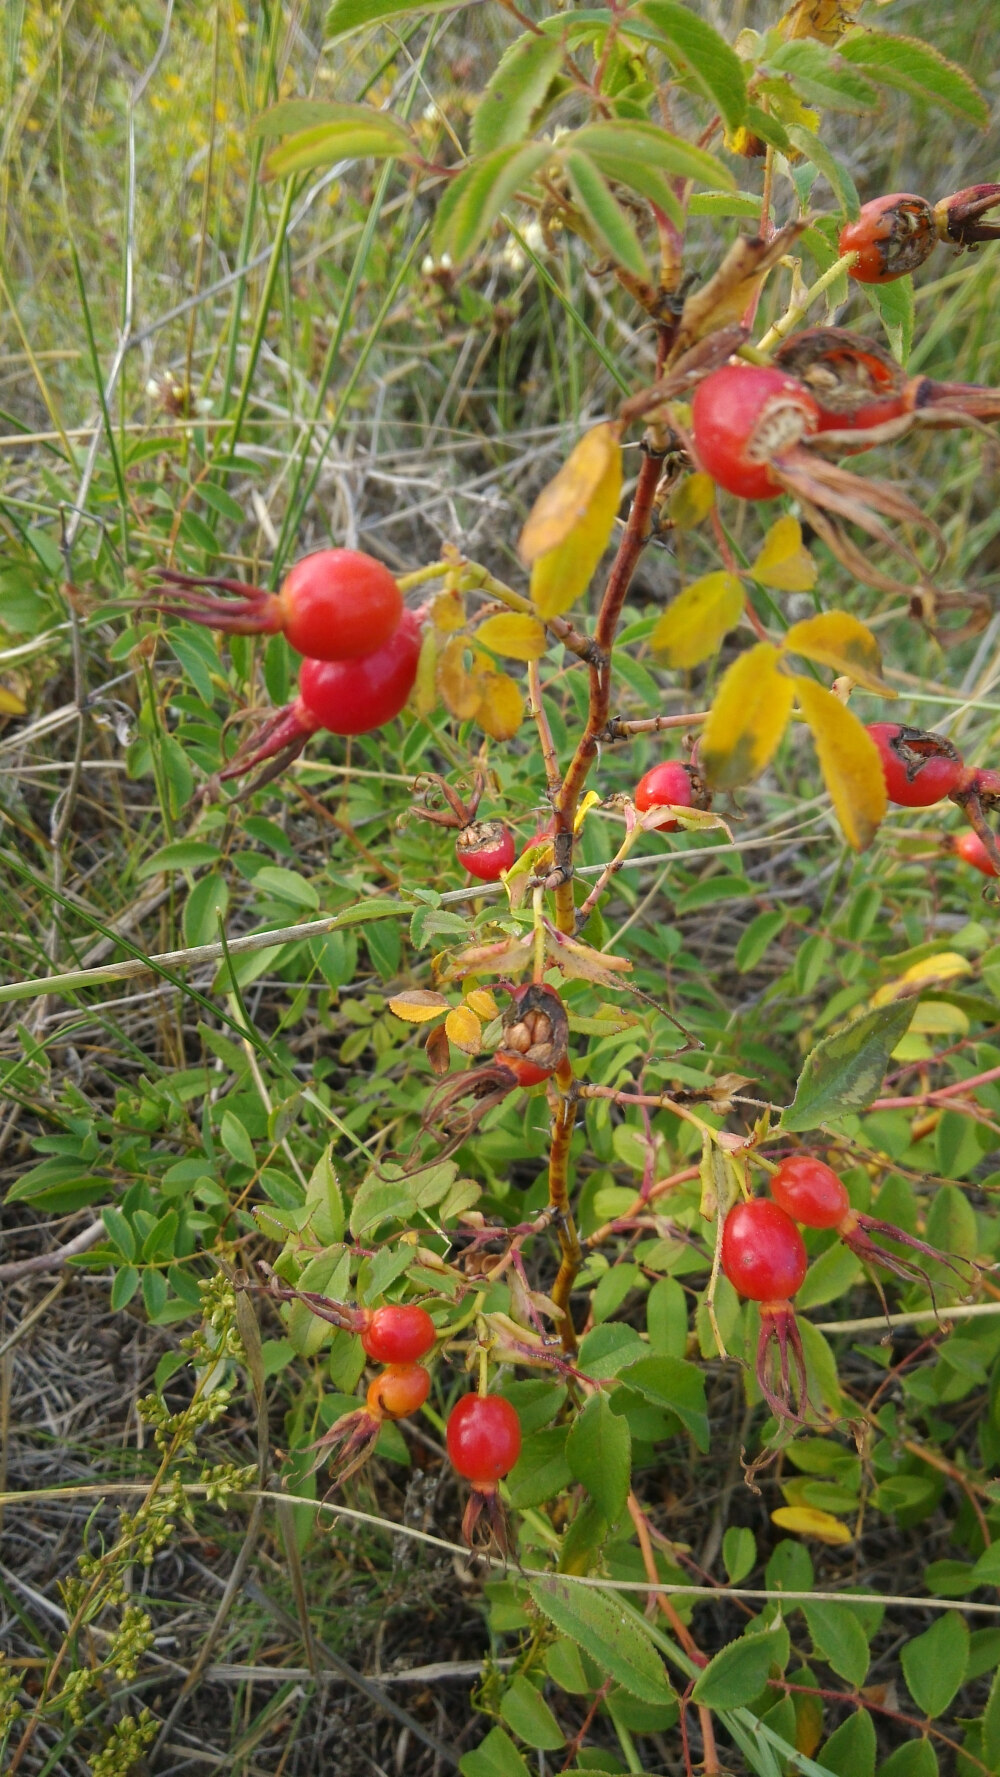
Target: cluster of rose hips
(344, 612)
(894, 234)
(483, 1433)
(764, 1258)
(922, 768)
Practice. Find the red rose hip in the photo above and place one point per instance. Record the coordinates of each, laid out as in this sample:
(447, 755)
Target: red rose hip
(485, 849)
(484, 1439)
(745, 418)
(337, 604)
(670, 784)
(763, 1254)
(810, 1192)
(355, 696)
(919, 768)
(398, 1334)
(398, 1390)
(970, 848)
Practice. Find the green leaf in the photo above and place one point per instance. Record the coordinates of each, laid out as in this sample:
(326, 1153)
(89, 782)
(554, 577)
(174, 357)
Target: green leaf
(635, 140)
(844, 1071)
(829, 1278)
(324, 1205)
(739, 1552)
(609, 224)
(821, 79)
(951, 1223)
(599, 1452)
(835, 174)
(124, 1287)
(672, 1382)
(850, 1752)
(207, 903)
(514, 92)
(353, 132)
(740, 1672)
(328, 1274)
(530, 1717)
(934, 1664)
(379, 1200)
(610, 1634)
(352, 15)
(694, 46)
(184, 854)
(915, 68)
(756, 938)
(895, 306)
(497, 1756)
(542, 1469)
(916, 1759)
(838, 1638)
(468, 209)
(236, 1141)
(991, 1724)
(120, 1231)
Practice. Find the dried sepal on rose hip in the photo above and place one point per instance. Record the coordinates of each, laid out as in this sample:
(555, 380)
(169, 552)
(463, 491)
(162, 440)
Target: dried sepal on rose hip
(483, 1436)
(922, 768)
(395, 1392)
(397, 1333)
(533, 1044)
(485, 849)
(864, 396)
(957, 218)
(754, 429)
(340, 696)
(337, 604)
(535, 1033)
(813, 1194)
(764, 1258)
(893, 235)
(671, 785)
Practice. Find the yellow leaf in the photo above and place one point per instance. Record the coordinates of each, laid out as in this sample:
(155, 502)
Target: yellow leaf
(519, 637)
(463, 1028)
(500, 710)
(823, 1527)
(825, 20)
(591, 800)
(10, 703)
(459, 677)
(693, 626)
(567, 501)
(425, 691)
(417, 1005)
(483, 1004)
(747, 719)
(784, 562)
(849, 761)
(579, 519)
(691, 501)
(938, 1018)
(448, 612)
(834, 639)
(931, 971)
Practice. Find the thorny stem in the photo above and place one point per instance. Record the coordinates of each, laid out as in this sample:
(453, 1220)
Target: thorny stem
(611, 869)
(616, 729)
(955, 1090)
(536, 710)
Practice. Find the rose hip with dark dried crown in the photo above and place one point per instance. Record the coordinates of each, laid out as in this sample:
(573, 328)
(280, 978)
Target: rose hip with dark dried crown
(485, 849)
(398, 1334)
(893, 235)
(744, 418)
(670, 784)
(398, 1390)
(337, 604)
(919, 768)
(535, 1031)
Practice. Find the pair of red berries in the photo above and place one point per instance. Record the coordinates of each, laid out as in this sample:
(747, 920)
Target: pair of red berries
(486, 849)
(894, 234)
(342, 610)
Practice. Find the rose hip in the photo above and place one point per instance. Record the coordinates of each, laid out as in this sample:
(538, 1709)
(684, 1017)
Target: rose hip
(744, 419)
